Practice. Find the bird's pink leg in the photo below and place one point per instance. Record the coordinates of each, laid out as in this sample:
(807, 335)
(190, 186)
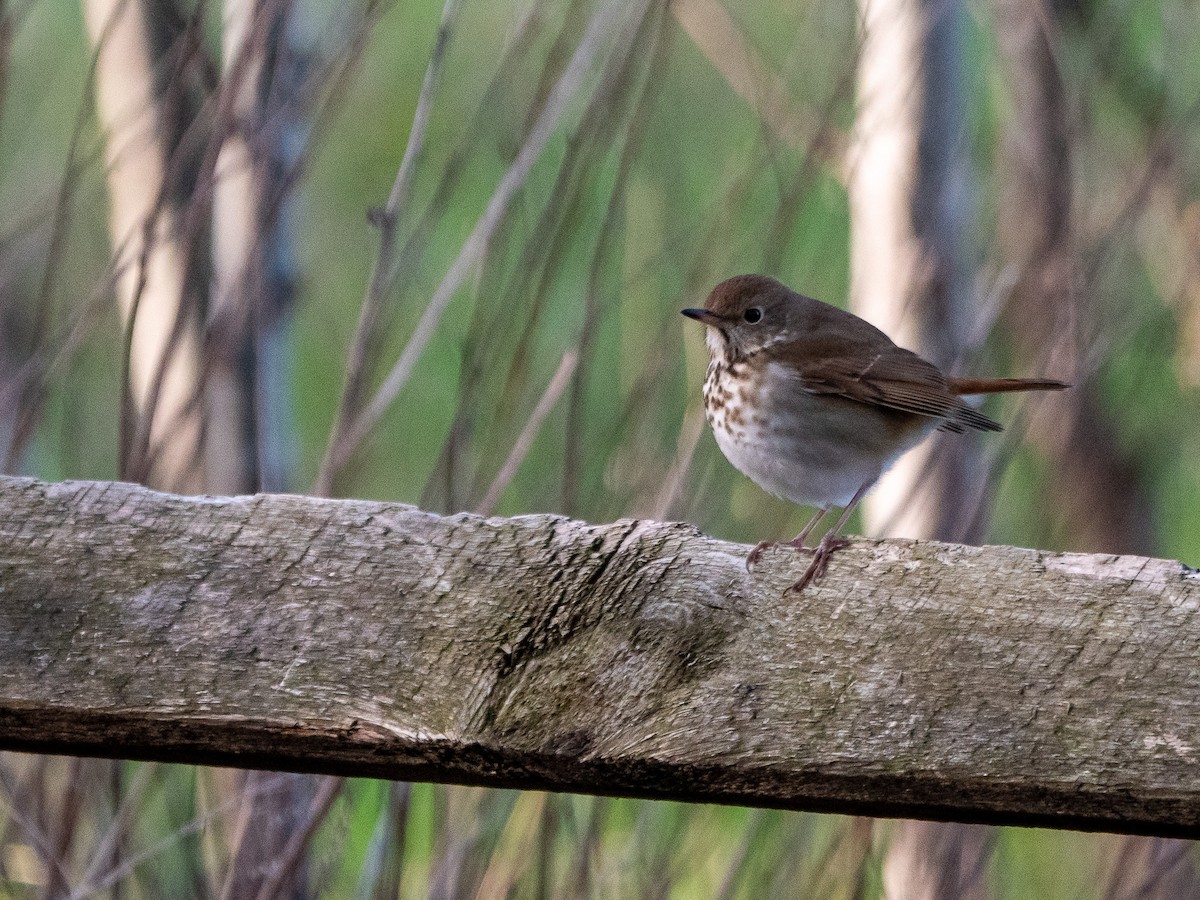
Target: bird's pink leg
(797, 542)
(830, 542)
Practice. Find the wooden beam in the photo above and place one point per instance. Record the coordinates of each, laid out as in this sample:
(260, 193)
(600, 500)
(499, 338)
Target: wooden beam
(636, 658)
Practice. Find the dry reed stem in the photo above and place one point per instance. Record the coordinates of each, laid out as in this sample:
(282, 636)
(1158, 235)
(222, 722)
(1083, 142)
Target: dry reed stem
(28, 821)
(554, 390)
(117, 830)
(717, 36)
(474, 246)
(285, 867)
(510, 855)
(131, 862)
(383, 272)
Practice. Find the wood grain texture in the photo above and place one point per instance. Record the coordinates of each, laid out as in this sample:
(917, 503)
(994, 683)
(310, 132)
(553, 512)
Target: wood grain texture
(636, 658)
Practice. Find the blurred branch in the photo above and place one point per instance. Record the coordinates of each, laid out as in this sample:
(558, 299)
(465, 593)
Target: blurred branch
(164, 349)
(717, 36)
(554, 390)
(511, 855)
(23, 807)
(105, 850)
(1148, 868)
(609, 126)
(911, 193)
(685, 448)
(96, 882)
(292, 856)
(514, 298)
(27, 383)
(386, 261)
(636, 658)
(343, 444)
(1099, 490)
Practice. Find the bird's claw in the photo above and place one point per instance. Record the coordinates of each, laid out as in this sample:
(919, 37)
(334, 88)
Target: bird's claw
(757, 552)
(825, 549)
(762, 546)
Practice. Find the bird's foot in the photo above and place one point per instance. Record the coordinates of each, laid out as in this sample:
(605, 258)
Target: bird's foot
(756, 554)
(763, 546)
(821, 553)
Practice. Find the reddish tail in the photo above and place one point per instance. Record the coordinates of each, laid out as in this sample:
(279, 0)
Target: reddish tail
(1003, 385)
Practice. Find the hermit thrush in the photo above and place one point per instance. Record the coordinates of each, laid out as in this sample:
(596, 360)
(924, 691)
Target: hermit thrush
(814, 404)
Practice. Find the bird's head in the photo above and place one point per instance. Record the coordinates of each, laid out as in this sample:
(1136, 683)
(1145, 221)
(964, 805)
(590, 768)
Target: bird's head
(746, 314)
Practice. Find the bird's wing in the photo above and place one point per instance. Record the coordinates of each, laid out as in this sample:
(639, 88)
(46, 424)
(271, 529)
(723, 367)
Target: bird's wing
(880, 375)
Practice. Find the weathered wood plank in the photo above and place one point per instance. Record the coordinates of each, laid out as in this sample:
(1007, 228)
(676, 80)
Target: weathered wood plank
(637, 658)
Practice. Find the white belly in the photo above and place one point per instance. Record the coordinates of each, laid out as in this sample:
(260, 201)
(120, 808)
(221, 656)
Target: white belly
(813, 450)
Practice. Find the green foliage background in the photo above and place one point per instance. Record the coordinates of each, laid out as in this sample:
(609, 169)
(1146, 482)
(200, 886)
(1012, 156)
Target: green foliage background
(703, 190)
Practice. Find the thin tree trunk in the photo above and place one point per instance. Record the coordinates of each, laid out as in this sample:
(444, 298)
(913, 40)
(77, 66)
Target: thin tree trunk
(254, 268)
(162, 422)
(1100, 492)
(253, 284)
(910, 211)
(228, 439)
(163, 444)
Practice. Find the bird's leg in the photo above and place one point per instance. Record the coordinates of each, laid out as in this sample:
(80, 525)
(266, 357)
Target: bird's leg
(797, 542)
(830, 542)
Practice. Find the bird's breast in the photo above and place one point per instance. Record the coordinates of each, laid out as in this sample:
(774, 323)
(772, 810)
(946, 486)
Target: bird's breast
(812, 449)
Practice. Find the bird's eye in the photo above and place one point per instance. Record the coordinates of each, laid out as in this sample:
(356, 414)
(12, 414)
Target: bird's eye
(752, 315)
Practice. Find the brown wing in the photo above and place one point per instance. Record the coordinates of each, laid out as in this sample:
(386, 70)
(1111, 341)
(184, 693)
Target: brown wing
(878, 374)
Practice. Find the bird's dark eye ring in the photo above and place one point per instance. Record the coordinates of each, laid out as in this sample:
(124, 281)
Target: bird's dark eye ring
(752, 315)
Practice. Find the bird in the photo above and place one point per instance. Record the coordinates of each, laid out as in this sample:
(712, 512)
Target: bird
(813, 403)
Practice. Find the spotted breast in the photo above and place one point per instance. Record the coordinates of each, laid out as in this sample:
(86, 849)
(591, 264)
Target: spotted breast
(792, 443)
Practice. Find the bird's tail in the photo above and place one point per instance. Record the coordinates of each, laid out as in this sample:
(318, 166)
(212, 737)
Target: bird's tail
(1003, 385)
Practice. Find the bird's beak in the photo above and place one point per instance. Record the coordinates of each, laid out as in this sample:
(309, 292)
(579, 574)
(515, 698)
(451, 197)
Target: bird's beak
(703, 316)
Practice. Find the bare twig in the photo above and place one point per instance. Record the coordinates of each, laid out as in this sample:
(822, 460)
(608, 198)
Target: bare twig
(519, 295)
(509, 857)
(19, 810)
(716, 35)
(102, 853)
(685, 448)
(472, 249)
(402, 186)
(285, 867)
(33, 389)
(90, 887)
(554, 390)
(600, 296)
(737, 865)
(383, 273)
